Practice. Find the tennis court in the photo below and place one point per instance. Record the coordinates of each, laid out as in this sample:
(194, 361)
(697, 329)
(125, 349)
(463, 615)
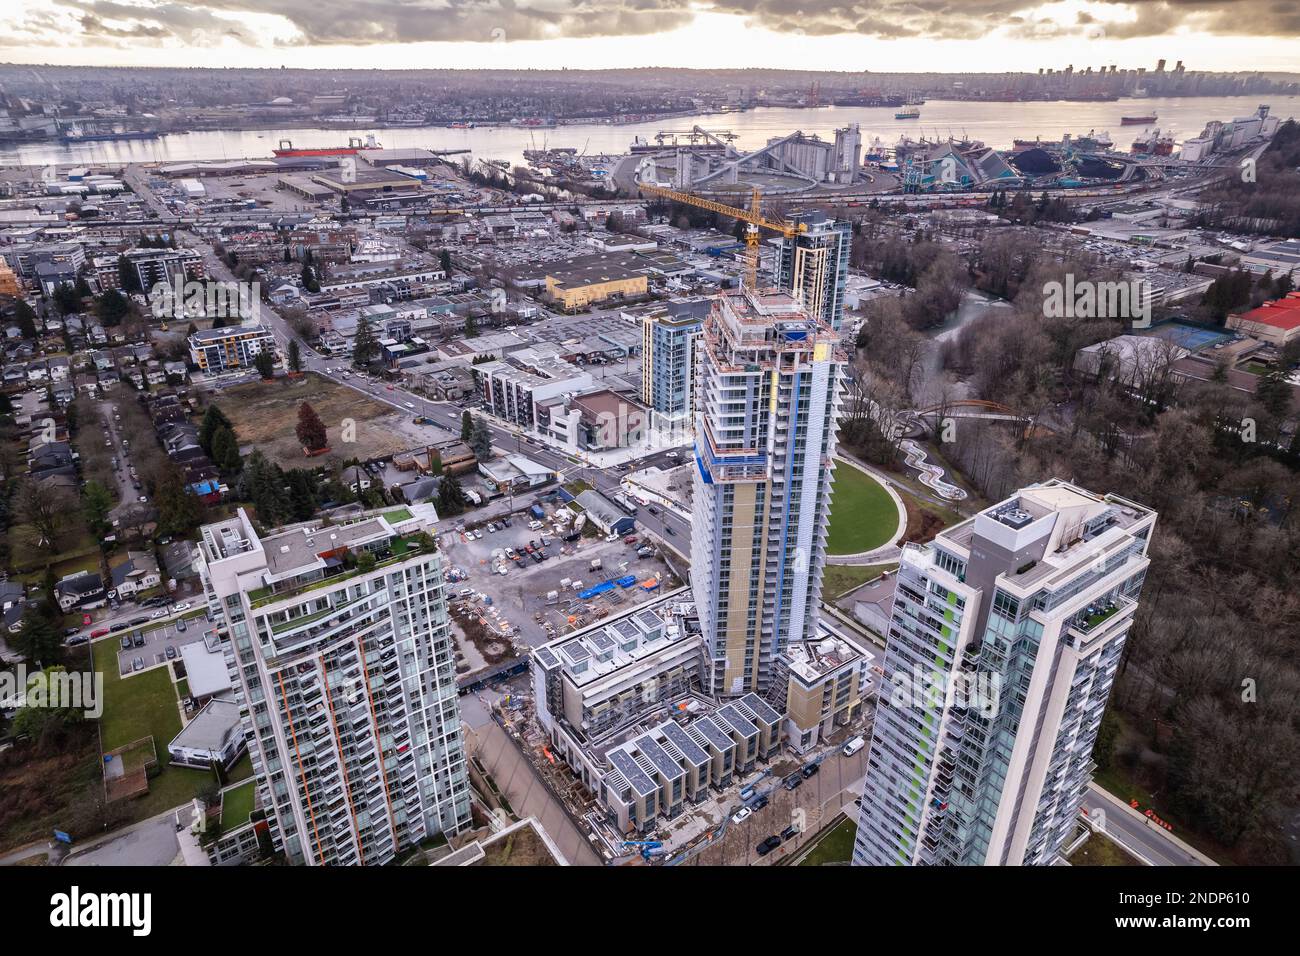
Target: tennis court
(1191, 337)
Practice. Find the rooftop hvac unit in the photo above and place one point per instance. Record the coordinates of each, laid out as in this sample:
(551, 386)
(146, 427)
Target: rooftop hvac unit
(1015, 518)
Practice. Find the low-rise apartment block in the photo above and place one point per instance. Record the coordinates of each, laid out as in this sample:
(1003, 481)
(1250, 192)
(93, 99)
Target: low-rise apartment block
(230, 348)
(821, 684)
(621, 703)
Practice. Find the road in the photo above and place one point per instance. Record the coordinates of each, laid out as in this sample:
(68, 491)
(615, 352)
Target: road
(1136, 833)
(128, 487)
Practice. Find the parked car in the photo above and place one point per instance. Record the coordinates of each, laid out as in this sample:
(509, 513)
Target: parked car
(138, 639)
(137, 664)
(180, 625)
(99, 632)
(126, 642)
(768, 845)
(157, 614)
(171, 652)
(76, 639)
(119, 627)
(137, 621)
(793, 782)
(760, 803)
(741, 815)
(183, 606)
(790, 832)
(810, 770)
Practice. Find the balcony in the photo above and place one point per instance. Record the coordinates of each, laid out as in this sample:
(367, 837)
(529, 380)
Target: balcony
(1096, 617)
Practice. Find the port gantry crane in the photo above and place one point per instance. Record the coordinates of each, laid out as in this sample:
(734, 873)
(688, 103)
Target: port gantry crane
(753, 217)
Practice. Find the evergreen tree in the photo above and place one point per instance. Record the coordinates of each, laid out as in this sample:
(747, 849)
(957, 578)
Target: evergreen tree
(471, 327)
(126, 275)
(365, 347)
(179, 510)
(264, 362)
(444, 261)
(295, 356)
(225, 451)
(112, 307)
(451, 497)
(66, 299)
(213, 419)
(466, 425)
(25, 316)
(309, 280)
(480, 439)
(303, 493)
(96, 504)
(39, 642)
(310, 430)
(263, 484)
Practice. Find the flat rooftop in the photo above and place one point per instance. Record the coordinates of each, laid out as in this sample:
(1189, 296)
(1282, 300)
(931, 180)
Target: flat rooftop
(596, 269)
(211, 727)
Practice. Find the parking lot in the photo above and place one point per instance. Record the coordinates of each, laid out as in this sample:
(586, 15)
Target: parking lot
(535, 601)
(150, 641)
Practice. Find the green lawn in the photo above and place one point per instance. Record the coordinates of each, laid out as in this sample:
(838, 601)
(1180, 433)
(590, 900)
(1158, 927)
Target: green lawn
(1099, 850)
(236, 805)
(242, 770)
(835, 847)
(80, 552)
(838, 579)
(397, 516)
(142, 706)
(863, 515)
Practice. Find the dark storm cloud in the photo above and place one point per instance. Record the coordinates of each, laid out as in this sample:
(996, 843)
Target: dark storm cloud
(112, 19)
(972, 19)
(409, 21)
(362, 22)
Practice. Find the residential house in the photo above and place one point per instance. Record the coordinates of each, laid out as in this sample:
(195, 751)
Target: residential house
(139, 572)
(83, 589)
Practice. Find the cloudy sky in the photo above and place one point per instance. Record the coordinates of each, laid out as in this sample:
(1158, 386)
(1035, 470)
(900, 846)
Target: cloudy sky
(879, 35)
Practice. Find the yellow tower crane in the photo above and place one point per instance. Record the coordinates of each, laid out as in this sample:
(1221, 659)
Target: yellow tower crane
(753, 216)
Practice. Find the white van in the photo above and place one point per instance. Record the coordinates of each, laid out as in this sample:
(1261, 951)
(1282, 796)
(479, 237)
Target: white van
(853, 746)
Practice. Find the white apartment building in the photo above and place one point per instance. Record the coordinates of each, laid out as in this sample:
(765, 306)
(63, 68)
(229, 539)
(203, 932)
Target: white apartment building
(767, 398)
(340, 655)
(1003, 643)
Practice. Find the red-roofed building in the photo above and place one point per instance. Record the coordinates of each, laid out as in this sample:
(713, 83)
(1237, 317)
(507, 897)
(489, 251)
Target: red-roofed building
(1276, 323)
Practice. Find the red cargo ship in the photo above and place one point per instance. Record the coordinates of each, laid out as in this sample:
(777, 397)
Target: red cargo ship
(353, 147)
